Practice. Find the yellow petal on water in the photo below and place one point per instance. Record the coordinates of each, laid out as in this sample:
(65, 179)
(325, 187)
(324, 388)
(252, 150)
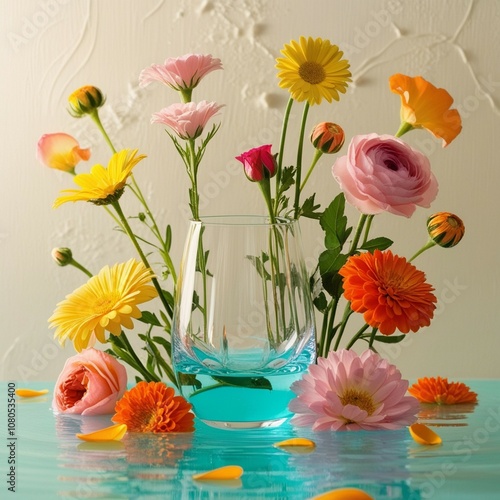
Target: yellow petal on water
(344, 494)
(30, 393)
(113, 433)
(303, 442)
(423, 435)
(222, 473)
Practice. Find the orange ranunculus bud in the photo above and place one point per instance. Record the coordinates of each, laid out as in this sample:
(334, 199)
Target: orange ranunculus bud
(327, 137)
(62, 256)
(61, 151)
(445, 229)
(85, 100)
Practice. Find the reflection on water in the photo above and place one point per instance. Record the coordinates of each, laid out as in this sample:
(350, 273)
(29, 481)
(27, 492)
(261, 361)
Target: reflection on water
(445, 415)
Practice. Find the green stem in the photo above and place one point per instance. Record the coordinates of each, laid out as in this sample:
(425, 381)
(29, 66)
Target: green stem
(428, 245)
(357, 336)
(357, 235)
(143, 370)
(76, 264)
(193, 175)
(404, 127)
(368, 225)
(299, 161)
(317, 156)
(131, 235)
(343, 323)
(372, 337)
(95, 116)
(331, 329)
(265, 187)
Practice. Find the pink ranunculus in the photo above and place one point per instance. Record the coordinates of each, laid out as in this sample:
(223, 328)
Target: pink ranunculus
(383, 173)
(180, 73)
(61, 151)
(187, 120)
(90, 383)
(258, 163)
(348, 391)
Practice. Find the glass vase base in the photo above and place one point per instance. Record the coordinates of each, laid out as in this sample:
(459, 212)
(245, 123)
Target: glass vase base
(262, 424)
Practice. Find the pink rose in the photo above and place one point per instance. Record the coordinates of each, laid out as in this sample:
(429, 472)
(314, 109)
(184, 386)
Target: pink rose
(258, 163)
(90, 383)
(382, 173)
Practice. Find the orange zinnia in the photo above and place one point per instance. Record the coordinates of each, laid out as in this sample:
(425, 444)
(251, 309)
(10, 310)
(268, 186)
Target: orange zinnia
(153, 407)
(439, 390)
(389, 291)
(426, 106)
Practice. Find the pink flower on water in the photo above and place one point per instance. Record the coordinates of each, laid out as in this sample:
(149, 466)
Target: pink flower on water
(187, 120)
(181, 73)
(258, 163)
(90, 383)
(382, 173)
(347, 392)
(60, 151)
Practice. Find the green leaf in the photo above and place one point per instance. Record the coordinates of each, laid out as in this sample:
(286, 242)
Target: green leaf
(380, 243)
(309, 209)
(330, 261)
(250, 382)
(334, 223)
(389, 339)
(320, 302)
(168, 238)
(149, 318)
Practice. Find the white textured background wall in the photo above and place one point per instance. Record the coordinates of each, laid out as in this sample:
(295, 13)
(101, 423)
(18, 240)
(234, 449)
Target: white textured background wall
(51, 47)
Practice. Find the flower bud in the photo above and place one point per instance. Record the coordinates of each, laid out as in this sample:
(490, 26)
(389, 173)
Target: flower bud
(445, 229)
(327, 137)
(62, 256)
(259, 163)
(85, 100)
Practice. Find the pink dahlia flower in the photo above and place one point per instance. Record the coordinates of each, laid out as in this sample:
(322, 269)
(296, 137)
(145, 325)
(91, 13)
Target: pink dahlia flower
(187, 120)
(180, 73)
(348, 392)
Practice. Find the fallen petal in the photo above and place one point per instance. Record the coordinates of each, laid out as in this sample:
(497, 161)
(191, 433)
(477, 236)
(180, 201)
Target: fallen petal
(113, 433)
(222, 473)
(295, 442)
(30, 393)
(423, 435)
(344, 494)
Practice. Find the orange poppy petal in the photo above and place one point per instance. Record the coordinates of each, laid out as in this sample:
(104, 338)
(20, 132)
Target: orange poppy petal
(227, 472)
(344, 494)
(112, 433)
(30, 393)
(423, 435)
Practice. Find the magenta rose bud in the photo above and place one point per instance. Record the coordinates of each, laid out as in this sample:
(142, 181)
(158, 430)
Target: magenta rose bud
(381, 173)
(258, 163)
(90, 383)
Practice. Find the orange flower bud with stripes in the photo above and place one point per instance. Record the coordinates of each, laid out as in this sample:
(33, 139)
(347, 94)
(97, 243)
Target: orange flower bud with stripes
(85, 100)
(327, 137)
(445, 229)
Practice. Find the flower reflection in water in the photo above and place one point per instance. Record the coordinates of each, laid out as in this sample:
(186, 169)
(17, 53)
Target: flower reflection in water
(445, 415)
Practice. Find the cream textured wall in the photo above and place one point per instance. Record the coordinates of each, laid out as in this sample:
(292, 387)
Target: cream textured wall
(51, 47)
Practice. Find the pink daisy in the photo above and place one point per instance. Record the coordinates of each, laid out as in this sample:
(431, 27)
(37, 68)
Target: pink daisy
(347, 391)
(180, 73)
(187, 120)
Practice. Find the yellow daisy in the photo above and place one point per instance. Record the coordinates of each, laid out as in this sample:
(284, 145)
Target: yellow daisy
(102, 185)
(312, 70)
(107, 301)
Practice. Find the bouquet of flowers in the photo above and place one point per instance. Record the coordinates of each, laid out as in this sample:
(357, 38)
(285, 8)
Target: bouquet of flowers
(377, 173)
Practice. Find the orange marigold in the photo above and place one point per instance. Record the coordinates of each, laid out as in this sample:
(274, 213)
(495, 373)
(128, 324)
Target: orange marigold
(439, 390)
(153, 407)
(389, 291)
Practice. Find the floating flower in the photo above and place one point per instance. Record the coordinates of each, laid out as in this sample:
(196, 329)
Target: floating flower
(445, 229)
(108, 301)
(327, 137)
(389, 291)
(313, 70)
(258, 163)
(439, 390)
(61, 152)
(85, 101)
(181, 73)
(381, 173)
(347, 391)
(153, 407)
(102, 185)
(187, 120)
(425, 106)
(90, 383)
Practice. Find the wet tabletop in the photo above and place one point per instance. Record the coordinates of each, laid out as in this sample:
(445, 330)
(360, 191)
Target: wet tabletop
(51, 462)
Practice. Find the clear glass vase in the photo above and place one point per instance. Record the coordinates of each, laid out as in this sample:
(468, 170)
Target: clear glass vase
(243, 327)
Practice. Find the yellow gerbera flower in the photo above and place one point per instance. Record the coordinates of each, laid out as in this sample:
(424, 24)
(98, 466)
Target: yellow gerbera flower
(312, 70)
(102, 185)
(107, 301)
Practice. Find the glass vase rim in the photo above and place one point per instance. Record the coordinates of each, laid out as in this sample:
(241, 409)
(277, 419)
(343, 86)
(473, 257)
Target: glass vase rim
(243, 220)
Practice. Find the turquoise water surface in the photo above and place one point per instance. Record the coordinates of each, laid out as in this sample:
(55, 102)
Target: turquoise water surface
(50, 462)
